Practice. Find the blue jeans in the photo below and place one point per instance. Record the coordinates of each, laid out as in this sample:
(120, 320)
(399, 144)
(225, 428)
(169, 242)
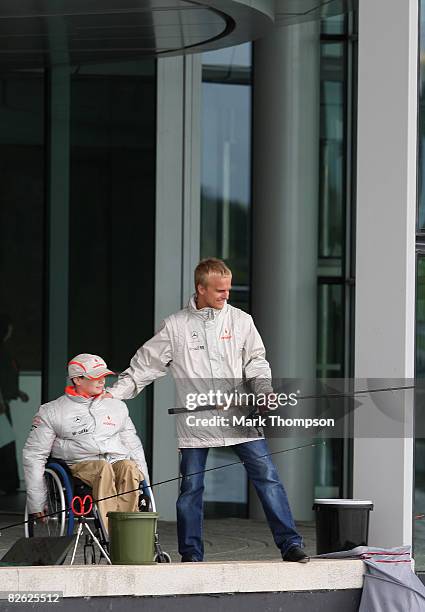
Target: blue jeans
(265, 478)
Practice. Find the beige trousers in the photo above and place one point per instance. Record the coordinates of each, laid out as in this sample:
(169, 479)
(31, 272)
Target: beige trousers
(109, 479)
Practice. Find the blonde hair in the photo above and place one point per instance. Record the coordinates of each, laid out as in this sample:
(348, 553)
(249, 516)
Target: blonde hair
(210, 265)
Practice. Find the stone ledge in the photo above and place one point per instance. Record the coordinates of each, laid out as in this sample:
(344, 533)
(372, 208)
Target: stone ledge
(185, 579)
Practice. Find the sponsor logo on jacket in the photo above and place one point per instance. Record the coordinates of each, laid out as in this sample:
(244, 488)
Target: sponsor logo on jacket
(109, 421)
(80, 431)
(35, 422)
(227, 335)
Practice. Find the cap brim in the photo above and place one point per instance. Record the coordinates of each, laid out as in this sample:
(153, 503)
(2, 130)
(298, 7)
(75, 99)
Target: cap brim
(101, 373)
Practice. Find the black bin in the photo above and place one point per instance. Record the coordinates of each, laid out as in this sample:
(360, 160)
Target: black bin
(341, 524)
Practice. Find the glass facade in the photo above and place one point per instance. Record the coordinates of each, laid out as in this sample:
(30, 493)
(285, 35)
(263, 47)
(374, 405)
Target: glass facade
(77, 212)
(420, 318)
(22, 212)
(420, 222)
(419, 499)
(226, 163)
(335, 255)
(334, 25)
(112, 199)
(22, 252)
(226, 219)
(225, 214)
(336, 210)
(332, 156)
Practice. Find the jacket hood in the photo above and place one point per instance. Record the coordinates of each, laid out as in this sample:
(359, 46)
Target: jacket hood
(206, 313)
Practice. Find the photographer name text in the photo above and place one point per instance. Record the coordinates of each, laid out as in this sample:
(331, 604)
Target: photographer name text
(270, 420)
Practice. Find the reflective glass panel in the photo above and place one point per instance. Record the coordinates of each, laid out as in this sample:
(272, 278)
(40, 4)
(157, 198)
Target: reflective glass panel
(419, 499)
(112, 211)
(332, 459)
(334, 25)
(22, 210)
(420, 222)
(332, 152)
(330, 326)
(225, 218)
(419, 511)
(226, 164)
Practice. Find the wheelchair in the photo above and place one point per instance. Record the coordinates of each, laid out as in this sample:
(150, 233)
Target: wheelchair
(62, 487)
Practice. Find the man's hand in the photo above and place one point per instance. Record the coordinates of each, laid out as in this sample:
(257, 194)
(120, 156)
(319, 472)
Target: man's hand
(41, 516)
(271, 401)
(269, 404)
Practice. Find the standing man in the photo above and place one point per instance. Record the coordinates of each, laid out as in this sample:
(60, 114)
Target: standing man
(208, 346)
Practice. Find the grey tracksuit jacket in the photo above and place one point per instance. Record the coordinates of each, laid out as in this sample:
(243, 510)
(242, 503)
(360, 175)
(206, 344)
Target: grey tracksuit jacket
(75, 428)
(205, 350)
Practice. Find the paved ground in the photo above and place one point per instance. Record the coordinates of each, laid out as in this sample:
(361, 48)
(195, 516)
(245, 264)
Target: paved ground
(235, 539)
(225, 539)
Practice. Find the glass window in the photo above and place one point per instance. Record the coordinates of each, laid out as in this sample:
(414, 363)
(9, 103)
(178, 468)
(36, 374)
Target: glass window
(419, 467)
(96, 168)
(226, 164)
(230, 58)
(334, 25)
(420, 318)
(226, 217)
(419, 510)
(22, 210)
(335, 290)
(112, 205)
(112, 212)
(420, 222)
(332, 154)
(331, 325)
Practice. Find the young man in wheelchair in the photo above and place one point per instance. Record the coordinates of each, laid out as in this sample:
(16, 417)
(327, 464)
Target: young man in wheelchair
(95, 437)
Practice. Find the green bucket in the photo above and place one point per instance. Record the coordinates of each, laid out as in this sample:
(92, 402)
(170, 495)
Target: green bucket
(131, 537)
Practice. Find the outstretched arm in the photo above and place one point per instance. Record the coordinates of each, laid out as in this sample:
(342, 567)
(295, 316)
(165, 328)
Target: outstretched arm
(149, 363)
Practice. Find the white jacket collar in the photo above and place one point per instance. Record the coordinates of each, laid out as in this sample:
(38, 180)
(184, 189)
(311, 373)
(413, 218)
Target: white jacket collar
(207, 313)
(80, 399)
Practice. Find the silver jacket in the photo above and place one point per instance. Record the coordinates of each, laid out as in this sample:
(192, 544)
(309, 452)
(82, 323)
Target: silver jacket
(75, 428)
(205, 350)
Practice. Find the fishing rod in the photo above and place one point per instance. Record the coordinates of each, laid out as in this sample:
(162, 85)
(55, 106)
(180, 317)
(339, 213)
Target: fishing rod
(252, 412)
(201, 408)
(168, 480)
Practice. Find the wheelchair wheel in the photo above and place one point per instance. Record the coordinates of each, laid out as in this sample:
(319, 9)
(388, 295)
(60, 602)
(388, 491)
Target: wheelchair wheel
(162, 557)
(54, 525)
